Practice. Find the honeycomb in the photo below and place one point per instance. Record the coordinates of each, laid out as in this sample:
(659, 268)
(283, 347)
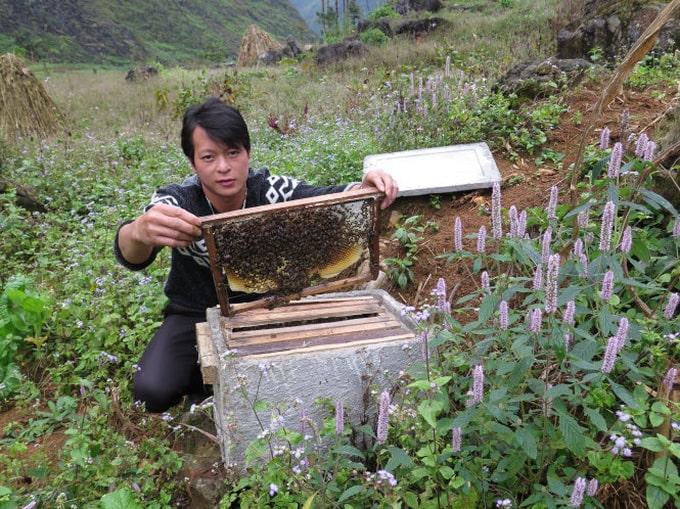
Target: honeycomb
(283, 252)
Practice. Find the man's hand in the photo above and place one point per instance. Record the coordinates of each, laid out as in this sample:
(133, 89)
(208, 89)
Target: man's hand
(161, 225)
(383, 182)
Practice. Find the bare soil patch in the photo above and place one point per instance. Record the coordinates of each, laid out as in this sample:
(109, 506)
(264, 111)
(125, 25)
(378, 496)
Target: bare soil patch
(526, 184)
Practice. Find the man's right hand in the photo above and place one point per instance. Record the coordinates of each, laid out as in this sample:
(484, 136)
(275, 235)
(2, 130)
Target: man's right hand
(161, 225)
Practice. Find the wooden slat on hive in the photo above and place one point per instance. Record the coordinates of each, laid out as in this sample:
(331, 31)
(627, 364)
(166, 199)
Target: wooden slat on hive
(316, 310)
(360, 331)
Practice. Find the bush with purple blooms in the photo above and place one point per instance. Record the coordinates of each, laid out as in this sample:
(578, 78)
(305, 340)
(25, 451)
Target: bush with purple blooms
(545, 388)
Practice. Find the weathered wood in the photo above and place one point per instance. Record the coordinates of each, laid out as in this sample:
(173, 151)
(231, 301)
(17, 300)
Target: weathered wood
(207, 356)
(292, 313)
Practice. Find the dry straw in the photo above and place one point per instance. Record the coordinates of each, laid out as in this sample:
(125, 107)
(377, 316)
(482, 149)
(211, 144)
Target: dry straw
(25, 107)
(255, 42)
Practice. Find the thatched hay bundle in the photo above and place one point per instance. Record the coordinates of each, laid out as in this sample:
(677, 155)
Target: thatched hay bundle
(255, 42)
(25, 107)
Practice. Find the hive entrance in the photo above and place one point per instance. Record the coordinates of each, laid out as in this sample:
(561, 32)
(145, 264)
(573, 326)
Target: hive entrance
(289, 250)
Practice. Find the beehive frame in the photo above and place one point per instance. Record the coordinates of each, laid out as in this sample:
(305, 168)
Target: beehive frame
(276, 243)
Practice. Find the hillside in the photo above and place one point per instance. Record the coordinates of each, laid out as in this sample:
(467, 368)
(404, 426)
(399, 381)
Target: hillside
(309, 8)
(167, 31)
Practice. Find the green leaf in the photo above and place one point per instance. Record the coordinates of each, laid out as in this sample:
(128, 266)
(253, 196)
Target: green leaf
(573, 434)
(596, 418)
(398, 458)
(527, 442)
(348, 450)
(656, 497)
(624, 395)
(122, 498)
(352, 491)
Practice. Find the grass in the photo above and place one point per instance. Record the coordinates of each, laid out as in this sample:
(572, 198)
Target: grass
(73, 323)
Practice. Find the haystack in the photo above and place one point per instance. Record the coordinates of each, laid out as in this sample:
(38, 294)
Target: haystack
(255, 42)
(25, 107)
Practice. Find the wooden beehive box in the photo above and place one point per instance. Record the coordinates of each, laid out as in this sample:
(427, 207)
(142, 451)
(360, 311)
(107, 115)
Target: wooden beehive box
(339, 345)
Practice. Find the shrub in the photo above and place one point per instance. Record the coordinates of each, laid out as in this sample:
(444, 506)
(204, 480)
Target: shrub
(373, 37)
(545, 388)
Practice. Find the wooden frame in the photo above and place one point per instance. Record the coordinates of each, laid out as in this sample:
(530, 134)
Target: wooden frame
(217, 228)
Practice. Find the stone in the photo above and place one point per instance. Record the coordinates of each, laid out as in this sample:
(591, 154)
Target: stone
(259, 385)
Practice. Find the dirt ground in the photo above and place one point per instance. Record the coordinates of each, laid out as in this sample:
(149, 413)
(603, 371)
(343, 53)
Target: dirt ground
(525, 184)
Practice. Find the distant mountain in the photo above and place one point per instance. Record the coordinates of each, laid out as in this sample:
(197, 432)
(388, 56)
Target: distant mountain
(309, 8)
(140, 31)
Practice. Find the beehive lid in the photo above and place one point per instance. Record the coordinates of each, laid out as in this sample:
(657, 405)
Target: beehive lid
(289, 250)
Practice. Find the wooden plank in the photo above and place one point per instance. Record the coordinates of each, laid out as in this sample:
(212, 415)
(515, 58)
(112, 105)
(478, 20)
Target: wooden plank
(299, 313)
(324, 343)
(207, 356)
(344, 327)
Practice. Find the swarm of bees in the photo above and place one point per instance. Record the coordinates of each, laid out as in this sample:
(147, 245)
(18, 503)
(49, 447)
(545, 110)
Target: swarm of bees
(284, 252)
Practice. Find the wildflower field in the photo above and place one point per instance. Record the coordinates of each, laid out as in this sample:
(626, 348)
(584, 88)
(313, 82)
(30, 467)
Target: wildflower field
(547, 307)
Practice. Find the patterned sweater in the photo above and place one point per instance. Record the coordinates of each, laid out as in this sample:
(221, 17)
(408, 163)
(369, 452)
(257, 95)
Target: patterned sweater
(190, 283)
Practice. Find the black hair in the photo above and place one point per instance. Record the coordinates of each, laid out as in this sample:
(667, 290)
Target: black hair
(223, 124)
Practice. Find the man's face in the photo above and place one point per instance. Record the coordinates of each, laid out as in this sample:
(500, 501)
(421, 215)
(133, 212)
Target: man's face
(223, 171)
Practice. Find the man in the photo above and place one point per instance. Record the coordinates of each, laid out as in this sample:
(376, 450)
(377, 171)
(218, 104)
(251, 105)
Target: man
(216, 141)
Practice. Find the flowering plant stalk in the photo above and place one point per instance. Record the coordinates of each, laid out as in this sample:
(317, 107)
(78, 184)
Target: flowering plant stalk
(546, 387)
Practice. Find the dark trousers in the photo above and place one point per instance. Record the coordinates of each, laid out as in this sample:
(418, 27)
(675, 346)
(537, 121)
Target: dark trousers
(169, 367)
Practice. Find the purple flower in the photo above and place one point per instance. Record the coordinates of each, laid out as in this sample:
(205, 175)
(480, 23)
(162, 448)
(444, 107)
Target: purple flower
(485, 280)
(538, 278)
(641, 145)
(497, 228)
(604, 138)
(545, 244)
(567, 341)
(608, 216)
(481, 239)
(649, 151)
(383, 417)
(669, 379)
(273, 489)
(577, 495)
(610, 355)
(503, 312)
(622, 332)
(607, 286)
(669, 310)
(339, 418)
(456, 439)
(458, 235)
(512, 215)
(535, 320)
(477, 392)
(551, 284)
(522, 224)
(626, 240)
(552, 203)
(443, 305)
(615, 160)
(569, 313)
(593, 485)
(676, 229)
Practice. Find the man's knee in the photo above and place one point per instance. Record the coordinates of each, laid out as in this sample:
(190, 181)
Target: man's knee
(157, 395)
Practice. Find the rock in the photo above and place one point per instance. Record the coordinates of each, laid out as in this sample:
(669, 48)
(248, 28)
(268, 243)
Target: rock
(338, 51)
(419, 27)
(529, 80)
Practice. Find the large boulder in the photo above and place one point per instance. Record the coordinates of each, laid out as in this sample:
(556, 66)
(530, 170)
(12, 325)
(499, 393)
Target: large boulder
(609, 31)
(534, 79)
(419, 27)
(381, 24)
(339, 51)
